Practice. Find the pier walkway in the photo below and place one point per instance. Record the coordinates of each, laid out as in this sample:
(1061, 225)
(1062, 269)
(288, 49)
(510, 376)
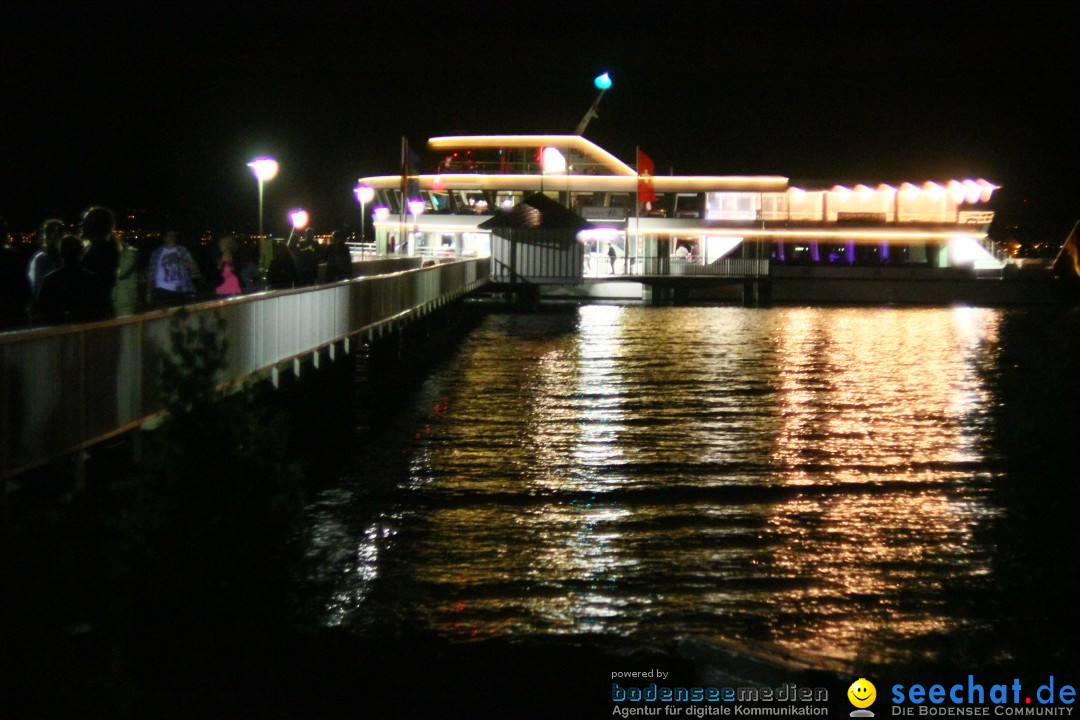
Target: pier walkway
(67, 387)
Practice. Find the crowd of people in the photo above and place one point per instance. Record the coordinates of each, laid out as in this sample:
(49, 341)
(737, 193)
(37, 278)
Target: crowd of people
(96, 273)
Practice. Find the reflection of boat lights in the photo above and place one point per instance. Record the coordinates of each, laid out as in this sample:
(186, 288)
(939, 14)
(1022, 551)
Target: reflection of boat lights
(936, 352)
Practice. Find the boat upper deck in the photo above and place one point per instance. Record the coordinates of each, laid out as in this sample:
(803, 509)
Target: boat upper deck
(477, 173)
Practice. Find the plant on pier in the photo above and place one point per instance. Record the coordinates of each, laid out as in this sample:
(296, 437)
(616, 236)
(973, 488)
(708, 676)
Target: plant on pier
(218, 516)
(190, 368)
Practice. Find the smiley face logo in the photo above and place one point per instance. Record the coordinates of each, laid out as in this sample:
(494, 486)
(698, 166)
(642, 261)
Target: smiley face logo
(862, 693)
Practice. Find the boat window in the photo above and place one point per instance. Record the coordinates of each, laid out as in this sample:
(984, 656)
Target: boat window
(732, 205)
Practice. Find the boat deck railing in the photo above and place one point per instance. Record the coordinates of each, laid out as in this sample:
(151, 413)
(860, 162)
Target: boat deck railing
(599, 266)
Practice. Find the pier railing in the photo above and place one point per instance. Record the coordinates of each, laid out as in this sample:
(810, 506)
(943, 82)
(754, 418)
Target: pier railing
(64, 388)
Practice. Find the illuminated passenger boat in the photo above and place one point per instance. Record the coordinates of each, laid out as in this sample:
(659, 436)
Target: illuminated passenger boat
(810, 242)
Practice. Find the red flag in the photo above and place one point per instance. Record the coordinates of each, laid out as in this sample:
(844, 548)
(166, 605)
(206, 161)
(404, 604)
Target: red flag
(645, 169)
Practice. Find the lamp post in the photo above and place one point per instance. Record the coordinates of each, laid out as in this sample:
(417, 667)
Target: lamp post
(602, 83)
(265, 168)
(299, 220)
(365, 194)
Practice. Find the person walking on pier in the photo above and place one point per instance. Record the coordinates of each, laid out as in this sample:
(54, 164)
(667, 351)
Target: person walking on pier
(47, 258)
(228, 267)
(102, 255)
(307, 264)
(125, 295)
(282, 271)
(338, 258)
(72, 293)
(170, 273)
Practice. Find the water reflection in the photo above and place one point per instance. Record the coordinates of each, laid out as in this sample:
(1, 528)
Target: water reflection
(812, 478)
(871, 398)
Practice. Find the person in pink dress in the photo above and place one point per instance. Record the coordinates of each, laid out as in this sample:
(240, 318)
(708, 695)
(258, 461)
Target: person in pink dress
(230, 281)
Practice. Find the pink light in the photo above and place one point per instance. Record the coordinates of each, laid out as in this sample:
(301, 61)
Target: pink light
(299, 219)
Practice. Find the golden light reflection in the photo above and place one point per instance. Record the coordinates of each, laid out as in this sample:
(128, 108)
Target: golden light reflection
(875, 427)
(558, 570)
(807, 477)
(600, 363)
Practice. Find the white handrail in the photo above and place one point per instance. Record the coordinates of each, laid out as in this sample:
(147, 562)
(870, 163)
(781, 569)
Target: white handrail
(64, 388)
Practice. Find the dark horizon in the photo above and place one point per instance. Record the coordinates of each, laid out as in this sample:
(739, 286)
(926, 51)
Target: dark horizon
(158, 110)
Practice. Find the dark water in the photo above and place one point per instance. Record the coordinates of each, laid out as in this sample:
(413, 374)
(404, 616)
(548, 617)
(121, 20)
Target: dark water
(837, 484)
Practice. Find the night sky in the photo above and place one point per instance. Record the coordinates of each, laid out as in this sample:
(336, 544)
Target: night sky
(158, 107)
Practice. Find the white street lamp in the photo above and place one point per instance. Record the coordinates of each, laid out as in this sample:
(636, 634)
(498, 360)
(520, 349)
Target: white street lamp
(265, 168)
(365, 194)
